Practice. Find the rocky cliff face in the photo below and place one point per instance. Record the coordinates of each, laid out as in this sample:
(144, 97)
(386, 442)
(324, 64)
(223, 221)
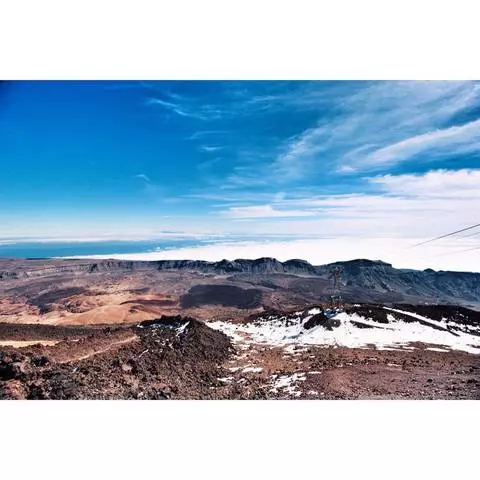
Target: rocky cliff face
(382, 277)
(259, 266)
(376, 277)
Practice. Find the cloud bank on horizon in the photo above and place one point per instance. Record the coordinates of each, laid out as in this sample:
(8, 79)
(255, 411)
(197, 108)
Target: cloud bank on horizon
(320, 251)
(397, 160)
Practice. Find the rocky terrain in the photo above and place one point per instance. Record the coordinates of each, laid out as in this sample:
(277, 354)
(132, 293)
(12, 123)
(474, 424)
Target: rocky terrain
(291, 355)
(246, 329)
(172, 357)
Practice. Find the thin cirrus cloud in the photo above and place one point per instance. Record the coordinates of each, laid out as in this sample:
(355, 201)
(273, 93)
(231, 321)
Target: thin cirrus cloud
(142, 176)
(152, 189)
(189, 108)
(299, 154)
(382, 125)
(173, 107)
(210, 148)
(342, 127)
(448, 141)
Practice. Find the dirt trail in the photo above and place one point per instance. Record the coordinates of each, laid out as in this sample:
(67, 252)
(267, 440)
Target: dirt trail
(76, 351)
(27, 343)
(102, 350)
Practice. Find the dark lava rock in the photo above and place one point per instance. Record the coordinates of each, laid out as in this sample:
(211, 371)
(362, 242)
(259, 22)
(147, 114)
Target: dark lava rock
(318, 319)
(14, 366)
(225, 295)
(371, 312)
(321, 319)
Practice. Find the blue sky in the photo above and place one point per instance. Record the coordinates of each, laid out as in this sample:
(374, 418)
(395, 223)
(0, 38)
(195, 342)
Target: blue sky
(135, 159)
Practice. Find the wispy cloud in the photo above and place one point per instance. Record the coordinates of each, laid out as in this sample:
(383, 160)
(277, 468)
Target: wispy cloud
(142, 176)
(152, 189)
(463, 138)
(241, 99)
(191, 107)
(341, 132)
(233, 198)
(201, 134)
(264, 211)
(379, 124)
(460, 184)
(210, 148)
(298, 154)
(399, 205)
(247, 178)
(358, 127)
(175, 108)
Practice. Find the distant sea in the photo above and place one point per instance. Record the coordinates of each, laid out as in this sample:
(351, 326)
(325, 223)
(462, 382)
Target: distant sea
(72, 249)
(50, 249)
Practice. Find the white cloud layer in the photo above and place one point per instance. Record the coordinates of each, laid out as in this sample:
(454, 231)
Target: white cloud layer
(401, 206)
(265, 211)
(447, 184)
(446, 255)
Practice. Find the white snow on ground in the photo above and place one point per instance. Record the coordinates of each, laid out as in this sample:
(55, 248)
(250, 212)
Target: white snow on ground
(252, 369)
(395, 334)
(419, 317)
(286, 383)
(444, 323)
(294, 349)
(181, 329)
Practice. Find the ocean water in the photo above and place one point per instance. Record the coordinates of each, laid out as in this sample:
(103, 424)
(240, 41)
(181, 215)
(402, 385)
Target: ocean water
(38, 249)
(71, 249)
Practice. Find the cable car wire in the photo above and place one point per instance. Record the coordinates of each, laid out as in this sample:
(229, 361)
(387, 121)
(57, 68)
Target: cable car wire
(446, 235)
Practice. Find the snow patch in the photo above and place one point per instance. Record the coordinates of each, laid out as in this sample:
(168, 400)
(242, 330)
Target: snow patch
(286, 383)
(181, 329)
(397, 334)
(225, 379)
(252, 369)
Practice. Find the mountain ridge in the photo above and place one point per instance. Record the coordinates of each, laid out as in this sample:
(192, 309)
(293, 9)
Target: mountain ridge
(372, 277)
(261, 264)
